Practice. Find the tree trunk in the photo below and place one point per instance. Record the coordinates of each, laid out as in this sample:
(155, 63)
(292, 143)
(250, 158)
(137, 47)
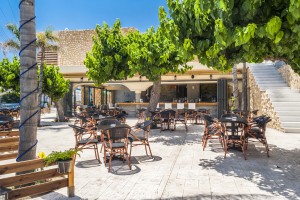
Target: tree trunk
(60, 110)
(41, 86)
(28, 83)
(244, 91)
(235, 87)
(155, 95)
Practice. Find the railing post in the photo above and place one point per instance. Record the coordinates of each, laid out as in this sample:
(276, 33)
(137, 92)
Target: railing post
(71, 186)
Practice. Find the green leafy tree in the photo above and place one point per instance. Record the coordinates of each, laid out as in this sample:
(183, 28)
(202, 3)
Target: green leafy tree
(227, 32)
(109, 56)
(55, 86)
(45, 41)
(150, 54)
(9, 75)
(156, 53)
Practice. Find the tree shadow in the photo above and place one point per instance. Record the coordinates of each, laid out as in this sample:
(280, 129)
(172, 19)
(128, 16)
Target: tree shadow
(88, 163)
(279, 174)
(56, 195)
(177, 137)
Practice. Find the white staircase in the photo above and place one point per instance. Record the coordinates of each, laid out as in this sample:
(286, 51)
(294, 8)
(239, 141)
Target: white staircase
(286, 102)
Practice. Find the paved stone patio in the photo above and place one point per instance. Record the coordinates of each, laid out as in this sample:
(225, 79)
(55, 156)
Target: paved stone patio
(181, 170)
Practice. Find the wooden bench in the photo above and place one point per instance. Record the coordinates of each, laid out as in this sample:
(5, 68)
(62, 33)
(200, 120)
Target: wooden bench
(9, 143)
(40, 180)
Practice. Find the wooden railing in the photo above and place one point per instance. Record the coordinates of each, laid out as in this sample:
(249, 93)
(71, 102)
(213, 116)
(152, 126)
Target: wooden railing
(9, 142)
(39, 180)
(32, 177)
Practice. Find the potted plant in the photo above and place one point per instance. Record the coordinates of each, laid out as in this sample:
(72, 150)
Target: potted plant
(62, 158)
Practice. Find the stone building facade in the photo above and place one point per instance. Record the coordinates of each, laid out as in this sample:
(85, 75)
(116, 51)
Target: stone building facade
(73, 46)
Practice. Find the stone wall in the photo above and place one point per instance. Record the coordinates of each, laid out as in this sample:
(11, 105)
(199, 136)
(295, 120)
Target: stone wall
(260, 100)
(73, 46)
(292, 78)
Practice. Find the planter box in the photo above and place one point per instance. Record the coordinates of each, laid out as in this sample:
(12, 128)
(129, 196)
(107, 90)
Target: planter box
(64, 166)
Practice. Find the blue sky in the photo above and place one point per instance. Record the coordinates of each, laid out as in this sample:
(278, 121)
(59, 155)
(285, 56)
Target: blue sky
(83, 14)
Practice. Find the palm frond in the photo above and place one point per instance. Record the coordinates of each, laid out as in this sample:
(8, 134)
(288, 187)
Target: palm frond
(13, 28)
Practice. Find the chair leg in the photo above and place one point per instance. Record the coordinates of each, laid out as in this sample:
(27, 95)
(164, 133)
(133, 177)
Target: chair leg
(244, 149)
(225, 148)
(97, 153)
(205, 143)
(130, 150)
(109, 164)
(104, 158)
(149, 149)
(267, 148)
(146, 149)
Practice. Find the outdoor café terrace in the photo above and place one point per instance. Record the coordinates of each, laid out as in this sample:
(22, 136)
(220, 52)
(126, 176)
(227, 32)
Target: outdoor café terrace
(180, 169)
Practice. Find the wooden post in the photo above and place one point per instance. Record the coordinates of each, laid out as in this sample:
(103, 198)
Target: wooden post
(71, 186)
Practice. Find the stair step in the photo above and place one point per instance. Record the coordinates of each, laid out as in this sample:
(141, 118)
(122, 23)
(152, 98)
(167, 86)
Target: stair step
(290, 124)
(286, 104)
(291, 130)
(292, 108)
(285, 99)
(275, 81)
(271, 85)
(287, 112)
(290, 119)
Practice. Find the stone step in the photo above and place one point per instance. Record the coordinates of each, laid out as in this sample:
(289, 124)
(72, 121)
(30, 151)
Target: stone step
(265, 80)
(272, 85)
(279, 109)
(281, 113)
(272, 81)
(286, 104)
(290, 118)
(261, 76)
(290, 124)
(291, 130)
(285, 90)
(285, 99)
(284, 95)
(267, 73)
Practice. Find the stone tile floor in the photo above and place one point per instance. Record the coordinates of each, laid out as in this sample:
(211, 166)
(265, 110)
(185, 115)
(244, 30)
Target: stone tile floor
(181, 170)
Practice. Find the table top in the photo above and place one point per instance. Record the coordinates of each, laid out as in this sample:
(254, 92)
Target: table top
(233, 119)
(102, 128)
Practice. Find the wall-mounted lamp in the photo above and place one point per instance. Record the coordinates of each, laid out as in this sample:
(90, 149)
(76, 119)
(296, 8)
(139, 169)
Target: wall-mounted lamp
(192, 76)
(140, 78)
(193, 87)
(175, 77)
(210, 76)
(81, 79)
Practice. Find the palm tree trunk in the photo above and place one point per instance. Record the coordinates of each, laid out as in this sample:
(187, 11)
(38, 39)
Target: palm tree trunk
(155, 95)
(28, 83)
(41, 85)
(60, 110)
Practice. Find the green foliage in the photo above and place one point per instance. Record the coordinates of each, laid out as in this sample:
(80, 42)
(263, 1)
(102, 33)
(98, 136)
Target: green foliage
(9, 75)
(151, 54)
(54, 84)
(109, 57)
(60, 156)
(158, 52)
(232, 31)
